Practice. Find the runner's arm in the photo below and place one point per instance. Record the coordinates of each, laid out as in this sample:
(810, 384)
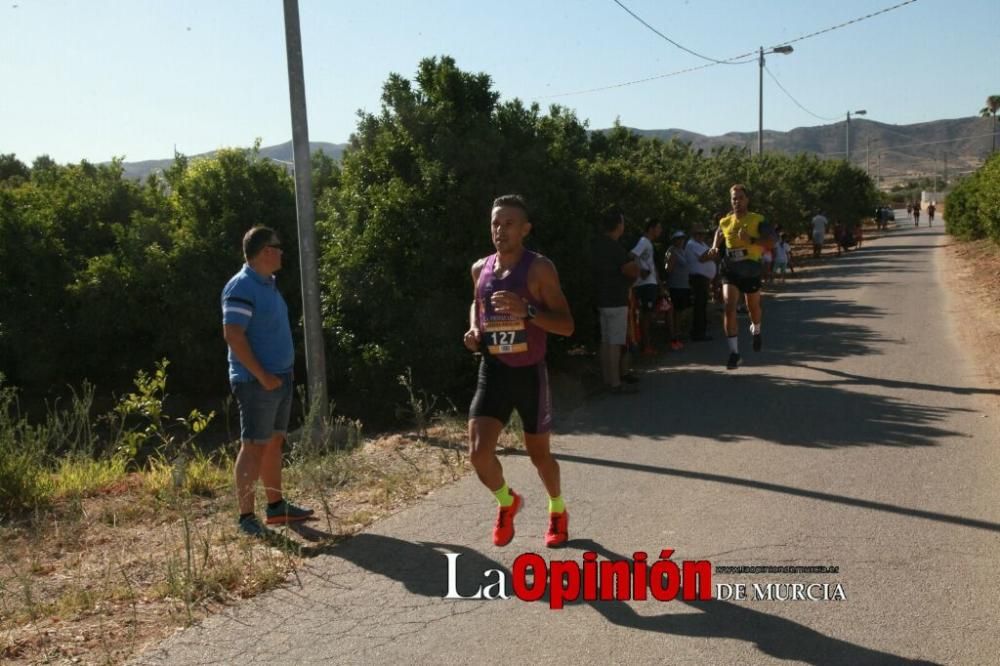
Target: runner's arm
(236, 338)
(630, 269)
(556, 316)
(471, 338)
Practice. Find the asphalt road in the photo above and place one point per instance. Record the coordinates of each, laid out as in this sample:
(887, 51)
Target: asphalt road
(861, 437)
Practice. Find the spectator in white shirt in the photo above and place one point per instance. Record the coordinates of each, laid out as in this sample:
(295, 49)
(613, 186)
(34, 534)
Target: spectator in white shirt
(702, 269)
(819, 224)
(647, 286)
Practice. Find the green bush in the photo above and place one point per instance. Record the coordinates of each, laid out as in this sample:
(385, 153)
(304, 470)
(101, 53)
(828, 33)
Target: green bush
(101, 275)
(972, 209)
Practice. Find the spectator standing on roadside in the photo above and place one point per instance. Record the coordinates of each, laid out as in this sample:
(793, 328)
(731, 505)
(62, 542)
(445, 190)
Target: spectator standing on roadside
(819, 224)
(258, 333)
(782, 252)
(678, 285)
(614, 273)
(701, 272)
(647, 286)
(766, 261)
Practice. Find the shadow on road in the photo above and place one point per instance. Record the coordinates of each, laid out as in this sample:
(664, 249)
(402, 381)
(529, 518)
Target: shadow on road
(849, 379)
(790, 412)
(776, 488)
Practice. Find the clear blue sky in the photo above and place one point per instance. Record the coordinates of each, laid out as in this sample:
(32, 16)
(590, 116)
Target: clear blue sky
(98, 78)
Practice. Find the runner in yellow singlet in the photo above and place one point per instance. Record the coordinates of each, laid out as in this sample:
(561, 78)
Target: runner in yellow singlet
(745, 234)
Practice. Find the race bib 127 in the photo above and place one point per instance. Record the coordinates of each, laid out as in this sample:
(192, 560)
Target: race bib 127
(505, 336)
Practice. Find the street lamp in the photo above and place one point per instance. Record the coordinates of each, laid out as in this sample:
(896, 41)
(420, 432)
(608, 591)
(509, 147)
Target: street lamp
(784, 50)
(860, 112)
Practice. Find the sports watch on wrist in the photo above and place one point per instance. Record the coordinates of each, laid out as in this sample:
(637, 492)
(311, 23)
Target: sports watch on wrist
(532, 312)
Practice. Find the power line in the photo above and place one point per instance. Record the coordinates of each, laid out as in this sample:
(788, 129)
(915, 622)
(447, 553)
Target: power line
(681, 47)
(773, 78)
(632, 83)
(847, 23)
(743, 58)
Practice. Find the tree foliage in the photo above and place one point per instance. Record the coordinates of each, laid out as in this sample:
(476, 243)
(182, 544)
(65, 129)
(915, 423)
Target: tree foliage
(973, 205)
(102, 275)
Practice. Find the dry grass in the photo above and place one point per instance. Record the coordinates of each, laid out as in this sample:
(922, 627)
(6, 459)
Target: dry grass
(970, 270)
(123, 560)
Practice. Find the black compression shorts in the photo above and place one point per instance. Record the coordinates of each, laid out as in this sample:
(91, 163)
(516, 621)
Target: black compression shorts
(501, 389)
(744, 274)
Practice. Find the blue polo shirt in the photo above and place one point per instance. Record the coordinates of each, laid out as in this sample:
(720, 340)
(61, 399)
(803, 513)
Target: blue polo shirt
(253, 301)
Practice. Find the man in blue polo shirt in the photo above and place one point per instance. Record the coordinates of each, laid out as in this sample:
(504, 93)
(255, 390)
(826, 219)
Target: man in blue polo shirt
(261, 357)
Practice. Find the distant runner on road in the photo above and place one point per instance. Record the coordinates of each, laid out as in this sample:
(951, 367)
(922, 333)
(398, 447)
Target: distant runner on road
(916, 214)
(745, 236)
(930, 214)
(517, 300)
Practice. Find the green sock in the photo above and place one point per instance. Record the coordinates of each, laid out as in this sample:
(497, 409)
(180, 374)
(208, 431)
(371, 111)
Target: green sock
(504, 498)
(556, 504)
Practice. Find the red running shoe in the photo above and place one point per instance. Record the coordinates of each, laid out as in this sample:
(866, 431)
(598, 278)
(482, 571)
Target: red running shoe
(503, 531)
(558, 532)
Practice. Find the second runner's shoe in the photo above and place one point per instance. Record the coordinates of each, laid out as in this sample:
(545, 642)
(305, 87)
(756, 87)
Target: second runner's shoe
(734, 361)
(503, 531)
(558, 532)
(757, 342)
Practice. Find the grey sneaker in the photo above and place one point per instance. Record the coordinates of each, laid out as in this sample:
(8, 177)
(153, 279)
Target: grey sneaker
(286, 513)
(251, 526)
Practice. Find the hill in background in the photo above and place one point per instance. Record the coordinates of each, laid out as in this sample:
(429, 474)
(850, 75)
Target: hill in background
(895, 152)
(281, 153)
(902, 151)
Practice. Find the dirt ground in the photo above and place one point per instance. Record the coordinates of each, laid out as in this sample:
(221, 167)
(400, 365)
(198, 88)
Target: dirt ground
(98, 583)
(98, 579)
(970, 270)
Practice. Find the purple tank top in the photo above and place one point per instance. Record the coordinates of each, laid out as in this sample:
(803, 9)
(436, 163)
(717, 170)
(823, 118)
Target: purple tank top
(514, 341)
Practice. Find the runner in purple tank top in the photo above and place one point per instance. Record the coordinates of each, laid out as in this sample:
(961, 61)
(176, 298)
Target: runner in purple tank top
(517, 301)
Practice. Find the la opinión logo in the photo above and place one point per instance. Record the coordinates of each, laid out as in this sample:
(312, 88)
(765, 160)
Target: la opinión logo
(592, 580)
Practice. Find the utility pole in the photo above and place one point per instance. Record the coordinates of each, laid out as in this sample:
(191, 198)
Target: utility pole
(859, 112)
(784, 50)
(315, 356)
(760, 103)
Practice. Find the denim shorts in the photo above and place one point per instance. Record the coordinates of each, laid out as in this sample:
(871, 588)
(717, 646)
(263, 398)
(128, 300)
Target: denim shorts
(263, 414)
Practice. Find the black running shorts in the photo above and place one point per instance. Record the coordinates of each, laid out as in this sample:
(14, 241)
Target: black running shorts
(680, 298)
(502, 389)
(744, 274)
